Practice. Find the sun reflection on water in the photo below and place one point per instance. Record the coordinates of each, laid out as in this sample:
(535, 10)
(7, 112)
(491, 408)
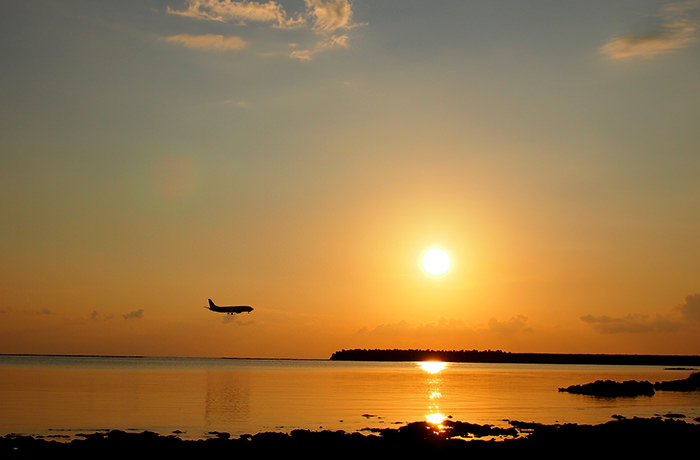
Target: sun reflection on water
(432, 367)
(434, 416)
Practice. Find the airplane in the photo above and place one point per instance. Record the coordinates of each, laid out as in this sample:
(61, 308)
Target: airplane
(229, 310)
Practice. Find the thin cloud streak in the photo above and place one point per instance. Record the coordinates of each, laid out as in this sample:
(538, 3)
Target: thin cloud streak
(450, 327)
(632, 323)
(209, 42)
(677, 32)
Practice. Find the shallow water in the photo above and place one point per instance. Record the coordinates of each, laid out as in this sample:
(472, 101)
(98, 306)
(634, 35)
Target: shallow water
(69, 395)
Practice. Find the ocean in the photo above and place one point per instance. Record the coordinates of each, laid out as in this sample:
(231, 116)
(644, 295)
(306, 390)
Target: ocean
(64, 396)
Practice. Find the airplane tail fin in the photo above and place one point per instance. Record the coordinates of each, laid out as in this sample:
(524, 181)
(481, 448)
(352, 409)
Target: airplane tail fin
(211, 304)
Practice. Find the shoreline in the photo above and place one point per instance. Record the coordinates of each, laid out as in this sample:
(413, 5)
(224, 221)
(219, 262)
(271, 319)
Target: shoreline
(620, 436)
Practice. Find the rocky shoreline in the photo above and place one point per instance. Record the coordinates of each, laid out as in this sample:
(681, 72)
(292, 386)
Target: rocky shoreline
(619, 437)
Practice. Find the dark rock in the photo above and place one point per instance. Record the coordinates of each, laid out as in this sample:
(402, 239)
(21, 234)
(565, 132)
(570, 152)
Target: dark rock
(611, 389)
(625, 438)
(692, 383)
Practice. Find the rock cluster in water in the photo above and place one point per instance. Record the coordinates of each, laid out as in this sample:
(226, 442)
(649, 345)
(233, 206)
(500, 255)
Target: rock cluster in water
(609, 388)
(692, 383)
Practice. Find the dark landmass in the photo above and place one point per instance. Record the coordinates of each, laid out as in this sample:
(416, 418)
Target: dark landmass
(611, 389)
(618, 438)
(692, 383)
(498, 356)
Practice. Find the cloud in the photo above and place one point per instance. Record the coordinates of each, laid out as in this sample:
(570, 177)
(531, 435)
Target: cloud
(515, 324)
(42, 312)
(95, 316)
(441, 327)
(324, 17)
(680, 23)
(210, 42)
(227, 10)
(32, 312)
(682, 316)
(330, 15)
(449, 327)
(323, 45)
(236, 320)
(691, 308)
(138, 314)
(608, 325)
(633, 323)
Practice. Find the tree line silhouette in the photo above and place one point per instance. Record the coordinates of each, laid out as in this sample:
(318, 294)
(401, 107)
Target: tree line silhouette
(499, 356)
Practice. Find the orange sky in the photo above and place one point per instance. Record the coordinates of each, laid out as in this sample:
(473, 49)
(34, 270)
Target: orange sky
(301, 159)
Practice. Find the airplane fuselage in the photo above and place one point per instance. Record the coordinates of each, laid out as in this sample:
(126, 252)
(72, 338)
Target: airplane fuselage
(232, 310)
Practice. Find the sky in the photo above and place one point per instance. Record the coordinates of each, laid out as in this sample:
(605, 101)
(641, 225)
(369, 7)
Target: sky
(301, 156)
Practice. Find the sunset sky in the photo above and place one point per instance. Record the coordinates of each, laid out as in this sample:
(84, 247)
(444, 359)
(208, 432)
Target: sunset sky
(301, 156)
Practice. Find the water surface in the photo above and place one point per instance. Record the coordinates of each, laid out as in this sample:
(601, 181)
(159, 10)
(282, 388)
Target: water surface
(68, 395)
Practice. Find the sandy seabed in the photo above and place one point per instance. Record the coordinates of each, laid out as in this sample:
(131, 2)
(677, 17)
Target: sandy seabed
(619, 438)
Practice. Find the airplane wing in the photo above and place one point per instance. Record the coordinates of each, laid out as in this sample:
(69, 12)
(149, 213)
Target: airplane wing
(237, 309)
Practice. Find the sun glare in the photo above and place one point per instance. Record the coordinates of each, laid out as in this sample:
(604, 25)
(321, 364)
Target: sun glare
(436, 261)
(435, 419)
(432, 367)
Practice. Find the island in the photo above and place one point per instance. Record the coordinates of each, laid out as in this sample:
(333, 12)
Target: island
(499, 356)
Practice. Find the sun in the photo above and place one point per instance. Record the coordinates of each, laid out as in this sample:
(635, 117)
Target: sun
(436, 261)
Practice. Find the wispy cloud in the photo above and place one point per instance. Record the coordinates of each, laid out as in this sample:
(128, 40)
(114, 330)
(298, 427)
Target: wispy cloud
(242, 11)
(632, 323)
(691, 308)
(515, 324)
(439, 328)
(324, 18)
(138, 314)
(684, 315)
(330, 15)
(679, 24)
(210, 42)
(95, 316)
(237, 321)
(323, 45)
(450, 327)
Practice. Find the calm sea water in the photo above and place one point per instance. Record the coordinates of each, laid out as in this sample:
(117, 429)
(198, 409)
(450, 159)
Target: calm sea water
(70, 395)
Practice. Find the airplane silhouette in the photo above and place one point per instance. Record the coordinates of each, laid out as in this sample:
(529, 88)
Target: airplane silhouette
(229, 310)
